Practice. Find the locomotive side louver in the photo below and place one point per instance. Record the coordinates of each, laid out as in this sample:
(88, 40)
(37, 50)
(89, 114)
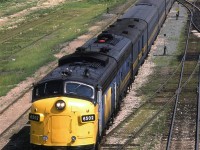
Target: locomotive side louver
(136, 19)
(131, 26)
(86, 73)
(66, 72)
(84, 57)
(80, 49)
(125, 32)
(104, 32)
(143, 4)
(111, 26)
(104, 49)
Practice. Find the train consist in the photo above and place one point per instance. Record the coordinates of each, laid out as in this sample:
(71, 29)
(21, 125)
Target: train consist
(74, 104)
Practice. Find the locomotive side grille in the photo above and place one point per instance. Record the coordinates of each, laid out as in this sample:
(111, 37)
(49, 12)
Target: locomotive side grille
(92, 65)
(95, 65)
(114, 41)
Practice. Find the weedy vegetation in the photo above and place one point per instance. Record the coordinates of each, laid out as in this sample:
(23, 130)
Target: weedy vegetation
(32, 42)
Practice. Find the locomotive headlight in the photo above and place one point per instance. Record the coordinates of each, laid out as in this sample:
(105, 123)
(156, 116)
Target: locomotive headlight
(60, 105)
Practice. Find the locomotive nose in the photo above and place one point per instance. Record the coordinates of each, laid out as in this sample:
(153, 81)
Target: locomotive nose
(63, 122)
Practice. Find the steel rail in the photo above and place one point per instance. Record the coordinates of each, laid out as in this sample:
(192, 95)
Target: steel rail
(26, 111)
(133, 135)
(198, 113)
(194, 6)
(146, 101)
(16, 100)
(178, 91)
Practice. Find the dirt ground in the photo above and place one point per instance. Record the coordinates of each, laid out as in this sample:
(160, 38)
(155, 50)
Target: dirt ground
(11, 21)
(18, 17)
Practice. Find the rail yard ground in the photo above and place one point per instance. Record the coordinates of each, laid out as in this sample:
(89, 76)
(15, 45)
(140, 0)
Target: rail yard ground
(15, 103)
(33, 32)
(151, 75)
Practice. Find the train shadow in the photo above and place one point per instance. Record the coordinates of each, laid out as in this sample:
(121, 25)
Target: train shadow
(20, 140)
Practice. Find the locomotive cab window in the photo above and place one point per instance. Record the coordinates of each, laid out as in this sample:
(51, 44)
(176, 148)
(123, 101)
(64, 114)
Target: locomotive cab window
(47, 89)
(79, 89)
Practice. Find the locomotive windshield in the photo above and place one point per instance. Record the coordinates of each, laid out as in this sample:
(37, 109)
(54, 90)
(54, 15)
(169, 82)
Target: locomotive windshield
(48, 89)
(79, 89)
(55, 88)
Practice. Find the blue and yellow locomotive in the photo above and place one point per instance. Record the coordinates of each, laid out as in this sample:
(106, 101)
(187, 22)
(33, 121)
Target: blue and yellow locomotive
(73, 105)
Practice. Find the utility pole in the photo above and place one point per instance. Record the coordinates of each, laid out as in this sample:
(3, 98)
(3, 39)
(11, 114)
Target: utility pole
(177, 11)
(165, 47)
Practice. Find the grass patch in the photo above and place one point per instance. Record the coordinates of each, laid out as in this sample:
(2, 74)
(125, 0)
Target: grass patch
(164, 67)
(33, 44)
(9, 7)
(151, 135)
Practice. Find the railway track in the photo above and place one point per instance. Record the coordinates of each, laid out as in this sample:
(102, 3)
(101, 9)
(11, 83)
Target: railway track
(198, 115)
(125, 135)
(182, 130)
(194, 7)
(196, 15)
(128, 130)
(16, 137)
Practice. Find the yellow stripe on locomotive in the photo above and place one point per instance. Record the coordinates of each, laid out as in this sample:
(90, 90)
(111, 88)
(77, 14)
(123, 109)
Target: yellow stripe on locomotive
(107, 105)
(75, 125)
